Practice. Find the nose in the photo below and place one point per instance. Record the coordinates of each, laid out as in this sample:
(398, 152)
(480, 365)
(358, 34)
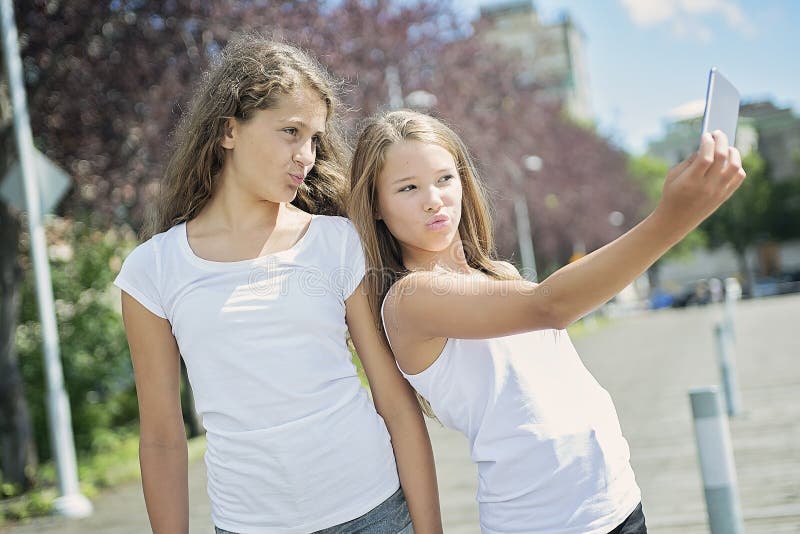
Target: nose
(306, 153)
(433, 199)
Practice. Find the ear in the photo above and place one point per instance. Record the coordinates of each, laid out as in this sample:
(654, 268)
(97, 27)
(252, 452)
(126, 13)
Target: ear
(377, 214)
(228, 134)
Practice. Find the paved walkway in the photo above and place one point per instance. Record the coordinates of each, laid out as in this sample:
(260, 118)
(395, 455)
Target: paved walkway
(648, 363)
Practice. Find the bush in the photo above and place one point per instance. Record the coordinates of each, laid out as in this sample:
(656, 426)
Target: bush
(94, 351)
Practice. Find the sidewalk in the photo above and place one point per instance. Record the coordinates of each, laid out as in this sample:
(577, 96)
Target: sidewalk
(648, 364)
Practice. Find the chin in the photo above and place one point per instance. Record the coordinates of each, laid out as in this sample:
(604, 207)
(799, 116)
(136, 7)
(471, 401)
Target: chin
(283, 197)
(438, 245)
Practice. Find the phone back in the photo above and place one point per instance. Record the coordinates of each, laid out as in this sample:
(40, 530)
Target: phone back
(722, 106)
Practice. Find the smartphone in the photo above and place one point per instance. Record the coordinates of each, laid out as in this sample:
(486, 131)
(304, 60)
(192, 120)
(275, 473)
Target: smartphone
(722, 106)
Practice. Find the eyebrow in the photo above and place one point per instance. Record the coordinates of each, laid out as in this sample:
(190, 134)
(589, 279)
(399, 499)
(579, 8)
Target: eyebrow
(407, 178)
(303, 125)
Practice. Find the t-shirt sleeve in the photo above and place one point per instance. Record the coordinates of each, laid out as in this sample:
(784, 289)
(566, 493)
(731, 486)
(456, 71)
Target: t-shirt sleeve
(353, 262)
(139, 277)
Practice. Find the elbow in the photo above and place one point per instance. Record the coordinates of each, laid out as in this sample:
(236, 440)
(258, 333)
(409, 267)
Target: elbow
(560, 321)
(556, 316)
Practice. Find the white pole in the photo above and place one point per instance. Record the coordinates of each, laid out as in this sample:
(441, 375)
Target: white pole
(70, 502)
(733, 292)
(716, 462)
(524, 234)
(727, 368)
(394, 87)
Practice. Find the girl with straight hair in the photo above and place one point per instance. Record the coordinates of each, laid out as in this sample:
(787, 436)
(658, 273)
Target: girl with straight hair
(251, 276)
(486, 349)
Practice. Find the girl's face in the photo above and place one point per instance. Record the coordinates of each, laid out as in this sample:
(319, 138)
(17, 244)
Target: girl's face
(270, 154)
(419, 196)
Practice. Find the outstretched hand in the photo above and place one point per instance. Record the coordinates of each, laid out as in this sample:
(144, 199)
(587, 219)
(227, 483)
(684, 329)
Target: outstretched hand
(701, 183)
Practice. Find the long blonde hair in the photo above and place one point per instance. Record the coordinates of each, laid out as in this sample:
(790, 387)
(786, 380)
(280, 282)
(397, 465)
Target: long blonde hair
(251, 73)
(383, 254)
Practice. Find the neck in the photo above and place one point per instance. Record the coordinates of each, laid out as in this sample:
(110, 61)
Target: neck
(450, 259)
(233, 209)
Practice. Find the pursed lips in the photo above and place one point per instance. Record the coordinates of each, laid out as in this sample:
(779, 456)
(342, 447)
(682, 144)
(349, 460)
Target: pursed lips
(437, 221)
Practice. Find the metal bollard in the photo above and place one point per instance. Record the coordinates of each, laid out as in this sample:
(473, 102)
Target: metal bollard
(727, 368)
(733, 292)
(716, 462)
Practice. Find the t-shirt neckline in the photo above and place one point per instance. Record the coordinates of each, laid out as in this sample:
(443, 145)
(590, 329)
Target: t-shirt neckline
(183, 236)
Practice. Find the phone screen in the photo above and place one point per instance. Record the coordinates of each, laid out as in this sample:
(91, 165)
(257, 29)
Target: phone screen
(722, 106)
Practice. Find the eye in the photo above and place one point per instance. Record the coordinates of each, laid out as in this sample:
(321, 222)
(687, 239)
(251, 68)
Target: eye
(446, 178)
(290, 131)
(407, 188)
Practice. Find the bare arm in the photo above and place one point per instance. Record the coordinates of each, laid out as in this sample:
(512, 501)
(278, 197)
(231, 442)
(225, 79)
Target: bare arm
(162, 438)
(439, 305)
(396, 403)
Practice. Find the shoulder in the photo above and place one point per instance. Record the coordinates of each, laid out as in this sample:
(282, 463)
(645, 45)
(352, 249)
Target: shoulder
(148, 253)
(417, 285)
(507, 269)
(334, 223)
(338, 230)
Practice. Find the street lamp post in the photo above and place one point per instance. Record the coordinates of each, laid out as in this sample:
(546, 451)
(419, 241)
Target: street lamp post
(71, 502)
(524, 234)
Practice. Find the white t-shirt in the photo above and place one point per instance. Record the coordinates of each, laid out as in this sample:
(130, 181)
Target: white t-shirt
(544, 434)
(294, 443)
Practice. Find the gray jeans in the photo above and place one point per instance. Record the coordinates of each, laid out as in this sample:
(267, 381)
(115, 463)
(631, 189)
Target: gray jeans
(389, 517)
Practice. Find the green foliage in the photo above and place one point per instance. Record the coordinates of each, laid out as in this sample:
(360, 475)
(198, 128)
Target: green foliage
(745, 217)
(31, 504)
(94, 351)
(115, 463)
(649, 173)
(784, 213)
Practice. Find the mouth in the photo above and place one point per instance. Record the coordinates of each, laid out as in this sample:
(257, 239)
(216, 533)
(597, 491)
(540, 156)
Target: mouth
(437, 222)
(297, 179)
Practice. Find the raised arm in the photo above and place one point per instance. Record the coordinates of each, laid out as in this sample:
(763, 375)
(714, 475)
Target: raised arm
(396, 403)
(441, 305)
(162, 438)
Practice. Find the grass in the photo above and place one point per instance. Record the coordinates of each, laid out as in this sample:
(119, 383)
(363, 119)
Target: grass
(115, 463)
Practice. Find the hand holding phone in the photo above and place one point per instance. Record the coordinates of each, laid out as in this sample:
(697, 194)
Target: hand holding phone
(722, 106)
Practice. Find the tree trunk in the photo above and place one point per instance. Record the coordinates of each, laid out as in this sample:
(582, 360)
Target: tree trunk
(745, 272)
(17, 451)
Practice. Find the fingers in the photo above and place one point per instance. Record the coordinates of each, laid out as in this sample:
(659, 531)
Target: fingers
(720, 154)
(704, 155)
(734, 174)
(734, 159)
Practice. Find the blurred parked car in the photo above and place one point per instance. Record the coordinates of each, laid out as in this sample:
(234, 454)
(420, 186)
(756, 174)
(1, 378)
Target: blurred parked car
(768, 286)
(695, 293)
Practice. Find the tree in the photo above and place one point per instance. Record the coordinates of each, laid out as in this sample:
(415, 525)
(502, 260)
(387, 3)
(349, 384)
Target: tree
(17, 452)
(18, 457)
(784, 212)
(745, 218)
(649, 173)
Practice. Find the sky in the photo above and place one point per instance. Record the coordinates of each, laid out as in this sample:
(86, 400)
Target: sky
(647, 58)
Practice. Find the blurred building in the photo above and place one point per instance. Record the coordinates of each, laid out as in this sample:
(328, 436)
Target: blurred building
(553, 54)
(778, 137)
(771, 131)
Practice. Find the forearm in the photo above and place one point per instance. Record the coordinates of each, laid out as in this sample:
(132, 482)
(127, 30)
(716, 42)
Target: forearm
(415, 465)
(165, 483)
(582, 286)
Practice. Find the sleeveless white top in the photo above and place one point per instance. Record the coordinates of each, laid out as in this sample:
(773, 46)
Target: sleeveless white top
(545, 435)
(294, 443)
